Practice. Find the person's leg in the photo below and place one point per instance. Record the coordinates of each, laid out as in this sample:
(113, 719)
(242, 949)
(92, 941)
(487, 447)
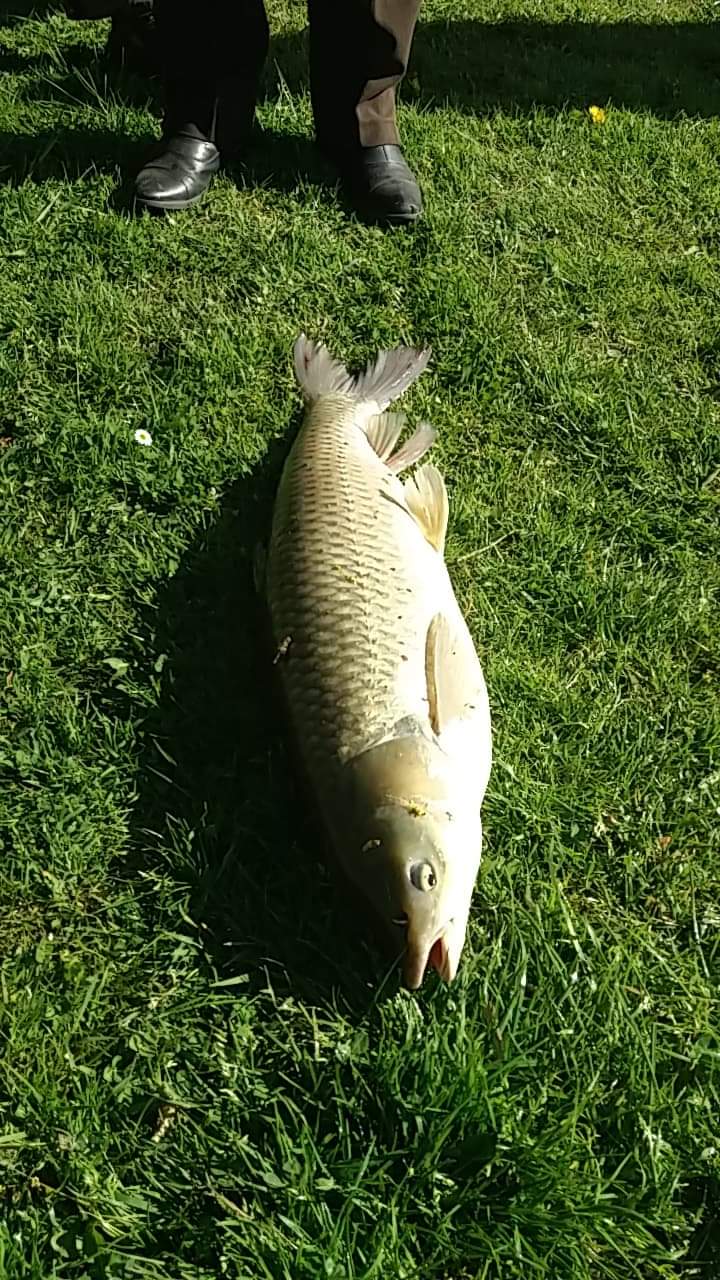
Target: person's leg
(132, 42)
(359, 52)
(212, 55)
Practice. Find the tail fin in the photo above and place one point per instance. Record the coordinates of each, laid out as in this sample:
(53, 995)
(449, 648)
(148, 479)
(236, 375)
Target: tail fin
(382, 382)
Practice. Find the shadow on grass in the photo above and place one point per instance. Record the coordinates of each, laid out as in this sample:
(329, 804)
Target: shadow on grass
(67, 153)
(13, 12)
(702, 1195)
(221, 807)
(81, 75)
(70, 151)
(666, 69)
(277, 161)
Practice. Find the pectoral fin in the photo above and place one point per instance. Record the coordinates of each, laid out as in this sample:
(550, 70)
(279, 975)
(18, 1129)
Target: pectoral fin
(449, 681)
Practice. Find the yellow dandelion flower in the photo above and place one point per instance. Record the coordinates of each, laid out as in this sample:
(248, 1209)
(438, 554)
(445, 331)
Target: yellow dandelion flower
(597, 114)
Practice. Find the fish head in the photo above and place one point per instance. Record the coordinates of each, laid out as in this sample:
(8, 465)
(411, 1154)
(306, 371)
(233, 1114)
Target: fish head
(419, 847)
(426, 865)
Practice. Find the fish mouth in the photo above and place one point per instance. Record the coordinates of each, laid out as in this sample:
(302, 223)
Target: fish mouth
(434, 955)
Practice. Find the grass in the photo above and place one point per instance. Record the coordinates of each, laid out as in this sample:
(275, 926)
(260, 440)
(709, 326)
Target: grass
(205, 1070)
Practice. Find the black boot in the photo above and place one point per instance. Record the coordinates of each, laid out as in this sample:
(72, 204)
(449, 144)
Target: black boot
(179, 173)
(380, 185)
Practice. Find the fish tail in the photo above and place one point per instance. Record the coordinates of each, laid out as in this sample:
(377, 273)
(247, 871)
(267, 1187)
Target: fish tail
(383, 381)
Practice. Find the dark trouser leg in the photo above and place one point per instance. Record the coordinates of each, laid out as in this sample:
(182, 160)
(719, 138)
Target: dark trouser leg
(212, 53)
(132, 42)
(359, 51)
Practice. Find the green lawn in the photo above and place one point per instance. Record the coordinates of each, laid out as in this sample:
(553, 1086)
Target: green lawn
(205, 1070)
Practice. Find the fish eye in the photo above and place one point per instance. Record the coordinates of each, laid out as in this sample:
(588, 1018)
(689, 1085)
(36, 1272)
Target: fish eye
(423, 876)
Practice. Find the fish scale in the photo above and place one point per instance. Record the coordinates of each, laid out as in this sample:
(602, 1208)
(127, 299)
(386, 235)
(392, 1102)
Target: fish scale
(331, 590)
(384, 688)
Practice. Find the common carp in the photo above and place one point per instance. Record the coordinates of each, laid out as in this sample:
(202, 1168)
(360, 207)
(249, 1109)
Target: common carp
(384, 688)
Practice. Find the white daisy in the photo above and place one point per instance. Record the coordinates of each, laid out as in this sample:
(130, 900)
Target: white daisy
(143, 437)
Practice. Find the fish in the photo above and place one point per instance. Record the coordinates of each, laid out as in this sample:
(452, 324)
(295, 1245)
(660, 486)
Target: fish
(386, 697)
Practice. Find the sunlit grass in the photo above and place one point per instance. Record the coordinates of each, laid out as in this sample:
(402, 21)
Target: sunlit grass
(206, 1073)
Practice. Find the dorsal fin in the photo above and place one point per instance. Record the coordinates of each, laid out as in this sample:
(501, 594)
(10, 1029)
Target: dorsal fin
(426, 497)
(413, 449)
(383, 432)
